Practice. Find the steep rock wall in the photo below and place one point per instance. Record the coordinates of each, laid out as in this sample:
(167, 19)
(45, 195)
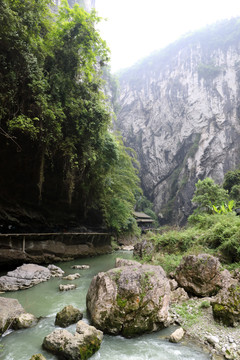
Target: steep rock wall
(180, 111)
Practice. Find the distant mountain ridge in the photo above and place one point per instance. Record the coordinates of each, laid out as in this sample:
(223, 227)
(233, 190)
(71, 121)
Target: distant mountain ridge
(180, 111)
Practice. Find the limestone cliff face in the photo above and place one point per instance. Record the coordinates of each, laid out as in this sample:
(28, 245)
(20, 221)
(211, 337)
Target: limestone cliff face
(180, 110)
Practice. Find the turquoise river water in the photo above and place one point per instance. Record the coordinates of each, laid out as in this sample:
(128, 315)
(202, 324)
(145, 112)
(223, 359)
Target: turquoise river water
(45, 300)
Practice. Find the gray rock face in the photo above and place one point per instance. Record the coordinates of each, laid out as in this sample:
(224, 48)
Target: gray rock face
(201, 275)
(67, 316)
(180, 112)
(24, 277)
(9, 310)
(83, 344)
(129, 300)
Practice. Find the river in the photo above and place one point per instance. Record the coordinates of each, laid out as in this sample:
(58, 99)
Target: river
(45, 300)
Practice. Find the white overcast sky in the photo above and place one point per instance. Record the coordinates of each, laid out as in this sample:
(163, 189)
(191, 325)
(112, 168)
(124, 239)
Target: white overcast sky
(135, 28)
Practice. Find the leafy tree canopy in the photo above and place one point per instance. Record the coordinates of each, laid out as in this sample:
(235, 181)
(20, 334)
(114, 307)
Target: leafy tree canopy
(207, 194)
(54, 109)
(232, 185)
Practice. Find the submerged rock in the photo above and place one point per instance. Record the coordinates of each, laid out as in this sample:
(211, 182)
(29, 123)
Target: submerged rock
(82, 345)
(67, 287)
(201, 275)
(226, 306)
(129, 300)
(24, 277)
(72, 277)
(67, 316)
(80, 267)
(9, 310)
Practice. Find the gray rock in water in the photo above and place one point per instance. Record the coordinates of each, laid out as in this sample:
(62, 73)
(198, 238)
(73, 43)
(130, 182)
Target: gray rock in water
(82, 345)
(177, 335)
(67, 287)
(9, 310)
(24, 321)
(55, 271)
(80, 267)
(24, 277)
(72, 276)
(129, 300)
(67, 316)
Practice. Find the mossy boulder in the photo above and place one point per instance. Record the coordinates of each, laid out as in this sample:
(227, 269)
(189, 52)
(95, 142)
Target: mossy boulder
(67, 316)
(129, 300)
(80, 346)
(201, 275)
(226, 307)
(24, 321)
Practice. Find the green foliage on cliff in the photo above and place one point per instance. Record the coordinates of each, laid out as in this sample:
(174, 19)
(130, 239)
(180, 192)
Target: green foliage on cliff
(232, 185)
(208, 71)
(207, 194)
(54, 117)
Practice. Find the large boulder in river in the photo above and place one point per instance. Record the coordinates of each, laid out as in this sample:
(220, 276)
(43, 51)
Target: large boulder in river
(24, 321)
(129, 300)
(201, 275)
(83, 344)
(226, 305)
(10, 309)
(67, 316)
(24, 277)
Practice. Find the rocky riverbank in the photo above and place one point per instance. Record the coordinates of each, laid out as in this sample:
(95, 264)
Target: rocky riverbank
(140, 299)
(195, 316)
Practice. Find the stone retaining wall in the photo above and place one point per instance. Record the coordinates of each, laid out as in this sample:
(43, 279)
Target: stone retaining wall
(16, 249)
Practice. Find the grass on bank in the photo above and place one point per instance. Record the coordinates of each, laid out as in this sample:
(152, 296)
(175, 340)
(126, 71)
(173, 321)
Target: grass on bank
(215, 234)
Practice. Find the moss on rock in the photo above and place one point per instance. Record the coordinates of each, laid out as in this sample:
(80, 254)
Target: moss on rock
(226, 308)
